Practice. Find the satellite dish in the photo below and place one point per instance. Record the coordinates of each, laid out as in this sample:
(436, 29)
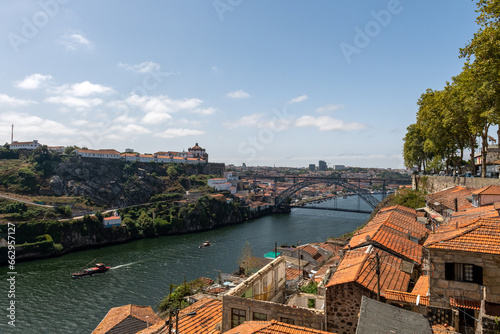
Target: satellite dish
(368, 238)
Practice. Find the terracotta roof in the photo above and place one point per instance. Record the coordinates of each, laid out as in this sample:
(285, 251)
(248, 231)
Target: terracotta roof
(469, 304)
(442, 329)
(400, 208)
(479, 236)
(358, 265)
(311, 251)
(201, 317)
(464, 218)
(23, 143)
(421, 289)
(112, 218)
(124, 316)
(292, 273)
(489, 190)
(447, 197)
(320, 274)
(272, 327)
(391, 230)
(102, 151)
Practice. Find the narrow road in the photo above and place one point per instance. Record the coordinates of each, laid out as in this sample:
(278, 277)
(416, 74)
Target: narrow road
(25, 201)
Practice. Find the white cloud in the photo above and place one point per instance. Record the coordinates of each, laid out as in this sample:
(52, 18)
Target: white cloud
(329, 107)
(327, 123)
(74, 41)
(258, 120)
(33, 81)
(298, 99)
(238, 94)
(177, 132)
(246, 121)
(13, 101)
(85, 88)
(32, 127)
(79, 122)
(215, 69)
(124, 131)
(74, 102)
(159, 108)
(144, 67)
(204, 111)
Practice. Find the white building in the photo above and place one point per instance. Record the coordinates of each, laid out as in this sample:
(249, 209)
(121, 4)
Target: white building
(104, 153)
(29, 145)
(112, 221)
(57, 149)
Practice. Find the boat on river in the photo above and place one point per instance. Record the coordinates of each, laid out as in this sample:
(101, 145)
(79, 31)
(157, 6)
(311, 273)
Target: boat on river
(205, 244)
(97, 269)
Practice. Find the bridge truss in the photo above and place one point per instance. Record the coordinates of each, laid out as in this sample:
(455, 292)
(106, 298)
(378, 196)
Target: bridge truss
(346, 183)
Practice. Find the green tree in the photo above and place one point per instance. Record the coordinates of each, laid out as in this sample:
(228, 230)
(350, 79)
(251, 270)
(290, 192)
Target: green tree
(483, 52)
(413, 148)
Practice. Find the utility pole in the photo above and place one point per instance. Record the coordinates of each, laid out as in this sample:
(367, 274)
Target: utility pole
(298, 256)
(12, 135)
(377, 271)
(170, 312)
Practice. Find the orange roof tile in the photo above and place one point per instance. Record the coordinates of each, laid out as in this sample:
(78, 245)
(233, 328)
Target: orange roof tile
(479, 236)
(119, 314)
(391, 230)
(272, 327)
(358, 265)
(489, 190)
(447, 197)
(102, 151)
(469, 304)
(312, 251)
(292, 273)
(421, 289)
(201, 317)
(400, 208)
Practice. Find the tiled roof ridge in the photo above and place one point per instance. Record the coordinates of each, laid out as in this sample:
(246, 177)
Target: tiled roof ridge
(470, 227)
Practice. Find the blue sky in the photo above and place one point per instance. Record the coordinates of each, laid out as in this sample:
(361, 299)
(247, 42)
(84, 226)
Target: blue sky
(283, 83)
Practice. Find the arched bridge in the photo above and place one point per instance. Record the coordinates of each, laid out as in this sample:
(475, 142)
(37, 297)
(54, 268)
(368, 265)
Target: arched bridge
(342, 182)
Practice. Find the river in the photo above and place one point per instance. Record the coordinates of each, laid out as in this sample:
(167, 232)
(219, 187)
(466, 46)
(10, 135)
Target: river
(48, 300)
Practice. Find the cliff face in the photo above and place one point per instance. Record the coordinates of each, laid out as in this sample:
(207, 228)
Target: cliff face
(108, 182)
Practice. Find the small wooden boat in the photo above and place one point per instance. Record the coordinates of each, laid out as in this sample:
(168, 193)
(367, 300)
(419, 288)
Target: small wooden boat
(99, 268)
(205, 244)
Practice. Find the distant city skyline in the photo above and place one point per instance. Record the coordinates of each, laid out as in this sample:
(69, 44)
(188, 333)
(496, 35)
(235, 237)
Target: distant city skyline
(262, 83)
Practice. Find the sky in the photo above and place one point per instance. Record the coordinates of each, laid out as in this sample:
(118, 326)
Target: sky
(266, 83)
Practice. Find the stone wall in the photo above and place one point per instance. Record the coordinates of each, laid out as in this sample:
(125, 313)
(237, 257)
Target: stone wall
(301, 316)
(432, 183)
(343, 304)
(491, 277)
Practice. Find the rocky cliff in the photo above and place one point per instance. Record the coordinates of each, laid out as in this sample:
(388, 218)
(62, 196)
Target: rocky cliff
(109, 182)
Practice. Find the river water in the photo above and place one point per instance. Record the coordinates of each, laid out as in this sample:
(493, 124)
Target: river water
(48, 300)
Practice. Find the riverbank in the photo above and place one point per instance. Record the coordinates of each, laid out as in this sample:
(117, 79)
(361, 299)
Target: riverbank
(142, 270)
(40, 240)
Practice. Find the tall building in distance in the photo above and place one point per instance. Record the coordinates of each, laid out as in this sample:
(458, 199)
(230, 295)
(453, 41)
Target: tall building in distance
(312, 167)
(322, 166)
(338, 167)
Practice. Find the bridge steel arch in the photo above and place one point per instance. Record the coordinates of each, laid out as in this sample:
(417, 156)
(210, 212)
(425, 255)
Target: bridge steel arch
(364, 194)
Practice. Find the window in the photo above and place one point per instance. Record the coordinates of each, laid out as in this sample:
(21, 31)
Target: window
(259, 316)
(464, 273)
(237, 317)
(286, 320)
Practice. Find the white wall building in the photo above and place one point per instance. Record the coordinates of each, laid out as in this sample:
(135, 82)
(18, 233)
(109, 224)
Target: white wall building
(29, 145)
(104, 153)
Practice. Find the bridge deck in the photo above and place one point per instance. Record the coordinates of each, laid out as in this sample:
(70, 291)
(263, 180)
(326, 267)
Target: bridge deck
(331, 209)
